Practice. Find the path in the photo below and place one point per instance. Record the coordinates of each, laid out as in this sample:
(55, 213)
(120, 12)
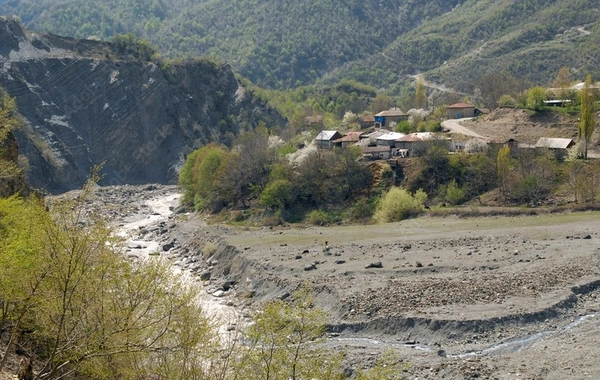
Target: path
(455, 126)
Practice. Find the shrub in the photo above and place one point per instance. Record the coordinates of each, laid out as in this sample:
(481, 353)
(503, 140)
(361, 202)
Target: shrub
(276, 194)
(318, 218)
(454, 194)
(507, 101)
(361, 211)
(398, 204)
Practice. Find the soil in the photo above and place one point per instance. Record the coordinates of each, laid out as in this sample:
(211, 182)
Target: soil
(460, 298)
(506, 123)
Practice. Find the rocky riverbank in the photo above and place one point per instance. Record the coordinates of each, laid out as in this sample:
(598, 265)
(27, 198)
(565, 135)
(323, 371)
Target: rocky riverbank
(496, 297)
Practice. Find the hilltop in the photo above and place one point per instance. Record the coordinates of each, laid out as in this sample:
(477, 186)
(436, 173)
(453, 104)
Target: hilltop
(283, 44)
(87, 103)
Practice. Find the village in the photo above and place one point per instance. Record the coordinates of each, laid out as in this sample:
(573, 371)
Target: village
(378, 140)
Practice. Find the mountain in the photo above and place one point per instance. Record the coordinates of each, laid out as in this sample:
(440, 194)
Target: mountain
(283, 43)
(86, 103)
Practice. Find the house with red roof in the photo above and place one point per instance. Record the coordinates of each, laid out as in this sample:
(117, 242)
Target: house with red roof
(460, 110)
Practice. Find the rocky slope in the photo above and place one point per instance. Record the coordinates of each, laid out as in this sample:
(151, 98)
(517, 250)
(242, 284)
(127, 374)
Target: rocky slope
(87, 103)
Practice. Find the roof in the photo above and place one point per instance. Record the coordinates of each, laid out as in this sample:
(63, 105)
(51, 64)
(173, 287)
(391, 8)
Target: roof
(420, 136)
(327, 135)
(367, 118)
(461, 105)
(391, 136)
(392, 112)
(352, 136)
(553, 143)
(375, 149)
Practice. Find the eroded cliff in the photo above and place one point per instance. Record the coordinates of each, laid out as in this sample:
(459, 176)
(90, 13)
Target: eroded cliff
(86, 103)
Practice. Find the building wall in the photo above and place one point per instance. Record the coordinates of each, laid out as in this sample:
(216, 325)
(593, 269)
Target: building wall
(459, 113)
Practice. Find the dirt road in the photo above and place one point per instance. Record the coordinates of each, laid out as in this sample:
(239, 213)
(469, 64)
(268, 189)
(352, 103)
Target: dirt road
(455, 126)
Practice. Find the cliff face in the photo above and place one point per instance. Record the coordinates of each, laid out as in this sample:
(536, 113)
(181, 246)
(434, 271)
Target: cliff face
(85, 104)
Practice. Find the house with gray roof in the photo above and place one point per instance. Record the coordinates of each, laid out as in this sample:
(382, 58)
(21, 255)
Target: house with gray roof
(325, 139)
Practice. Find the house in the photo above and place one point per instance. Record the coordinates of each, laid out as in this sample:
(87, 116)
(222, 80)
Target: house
(370, 139)
(325, 139)
(460, 110)
(376, 152)
(366, 121)
(415, 144)
(556, 145)
(389, 139)
(384, 118)
(350, 138)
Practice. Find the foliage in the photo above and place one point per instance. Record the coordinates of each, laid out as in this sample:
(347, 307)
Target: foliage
(435, 170)
(584, 181)
(507, 101)
(503, 168)
(199, 175)
(535, 98)
(587, 123)
(453, 194)
(398, 204)
(281, 342)
(71, 298)
(277, 194)
(387, 367)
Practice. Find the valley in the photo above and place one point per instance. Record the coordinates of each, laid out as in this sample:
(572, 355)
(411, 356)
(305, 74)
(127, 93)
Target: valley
(460, 298)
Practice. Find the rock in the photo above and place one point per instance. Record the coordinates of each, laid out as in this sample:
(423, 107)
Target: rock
(340, 261)
(218, 294)
(227, 284)
(166, 247)
(298, 257)
(587, 237)
(418, 264)
(205, 276)
(310, 267)
(376, 264)
(441, 353)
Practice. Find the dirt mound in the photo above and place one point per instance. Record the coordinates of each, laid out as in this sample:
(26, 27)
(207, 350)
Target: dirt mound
(523, 125)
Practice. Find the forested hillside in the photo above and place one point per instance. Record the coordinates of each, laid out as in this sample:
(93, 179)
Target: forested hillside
(284, 44)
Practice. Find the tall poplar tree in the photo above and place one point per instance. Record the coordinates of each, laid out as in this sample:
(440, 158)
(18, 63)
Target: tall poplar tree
(587, 122)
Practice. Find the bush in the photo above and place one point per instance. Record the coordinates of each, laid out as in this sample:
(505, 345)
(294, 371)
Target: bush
(398, 204)
(507, 101)
(276, 194)
(530, 190)
(454, 194)
(318, 218)
(361, 211)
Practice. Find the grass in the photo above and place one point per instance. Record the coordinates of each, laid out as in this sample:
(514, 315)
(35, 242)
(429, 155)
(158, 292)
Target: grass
(444, 225)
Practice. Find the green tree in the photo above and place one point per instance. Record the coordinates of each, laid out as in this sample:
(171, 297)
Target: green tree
(503, 169)
(507, 101)
(281, 342)
(199, 174)
(277, 194)
(536, 97)
(420, 94)
(93, 313)
(587, 122)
